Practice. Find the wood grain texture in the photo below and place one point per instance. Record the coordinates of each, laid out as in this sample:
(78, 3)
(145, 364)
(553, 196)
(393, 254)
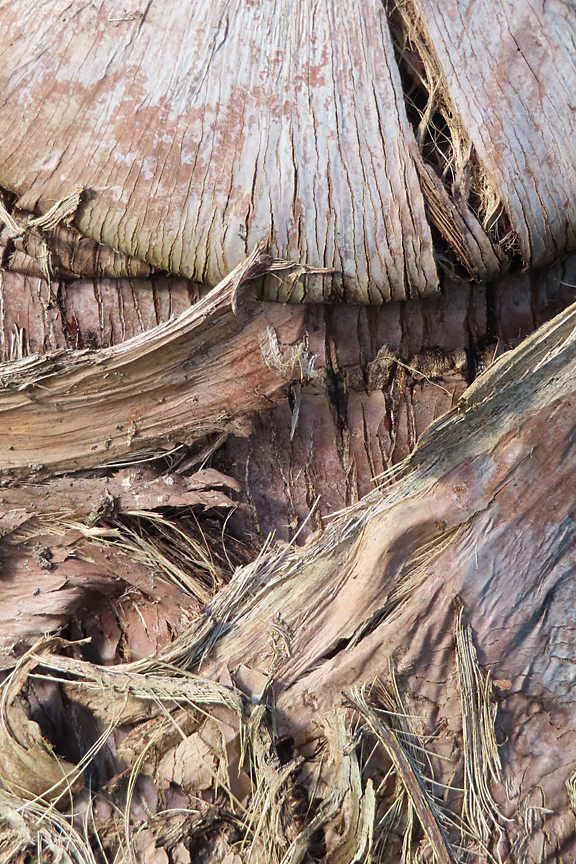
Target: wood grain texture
(201, 128)
(363, 411)
(487, 515)
(462, 471)
(511, 73)
(205, 371)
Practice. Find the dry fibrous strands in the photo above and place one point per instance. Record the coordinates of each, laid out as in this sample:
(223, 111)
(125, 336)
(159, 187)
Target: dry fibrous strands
(417, 51)
(481, 757)
(453, 182)
(284, 361)
(271, 782)
(36, 832)
(407, 769)
(134, 695)
(192, 376)
(189, 649)
(61, 211)
(29, 767)
(344, 800)
(248, 588)
(171, 552)
(14, 230)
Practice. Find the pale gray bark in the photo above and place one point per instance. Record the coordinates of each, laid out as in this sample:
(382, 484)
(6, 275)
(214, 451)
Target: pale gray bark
(197, 135)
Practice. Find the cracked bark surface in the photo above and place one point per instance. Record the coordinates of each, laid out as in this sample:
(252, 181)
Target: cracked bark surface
(354, 145)
(251, 133)
(503, 81)
(382, 377)
(385, 149)
(493, 505)
(484, 515)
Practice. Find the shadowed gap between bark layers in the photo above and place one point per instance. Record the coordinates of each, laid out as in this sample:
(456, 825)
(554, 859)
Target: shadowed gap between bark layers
(471, 230)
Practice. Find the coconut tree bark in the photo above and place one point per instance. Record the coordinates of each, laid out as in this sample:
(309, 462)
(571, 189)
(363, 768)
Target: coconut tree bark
(401, 686)
(462, 565)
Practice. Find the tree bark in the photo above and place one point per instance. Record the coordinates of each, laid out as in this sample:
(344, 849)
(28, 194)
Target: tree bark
(176, 684)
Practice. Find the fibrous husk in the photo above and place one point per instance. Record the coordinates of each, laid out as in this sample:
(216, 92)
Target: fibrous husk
(29, 767)
(156, 389)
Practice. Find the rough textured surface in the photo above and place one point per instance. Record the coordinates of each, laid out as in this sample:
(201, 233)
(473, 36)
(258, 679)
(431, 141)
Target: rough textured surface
(122, 605)
(510, 70)
(360, 412)
(198, 135)
(37, 318)
(382, 377)
(175, 383)
(487, 515)
(184, 167)
(194, 142)
(484, 516)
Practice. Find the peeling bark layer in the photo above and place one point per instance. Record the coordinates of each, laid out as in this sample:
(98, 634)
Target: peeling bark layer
(486, 515)
(74, 410)
(510, 72)
(382, 377)
(462, 565)
(483, 517)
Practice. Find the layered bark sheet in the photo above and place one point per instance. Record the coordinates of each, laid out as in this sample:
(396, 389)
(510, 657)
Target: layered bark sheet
(199, 130)
(382, 376)
(375, 379)
(360, 141)
(196, 133)
(510, 73)
(73, 410)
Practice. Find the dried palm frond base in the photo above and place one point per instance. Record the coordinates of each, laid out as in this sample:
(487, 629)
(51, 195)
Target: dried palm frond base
(398, 690)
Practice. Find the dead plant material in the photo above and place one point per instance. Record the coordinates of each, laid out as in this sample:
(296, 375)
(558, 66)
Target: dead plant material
(200, 373)
(408, 766)
(132, 696)
(32, 831)
(29, 767)
(71, 256)
(303, 621)
(461, 199)
(481, 758)
(61, 211)
(98, 500)
(343, 807)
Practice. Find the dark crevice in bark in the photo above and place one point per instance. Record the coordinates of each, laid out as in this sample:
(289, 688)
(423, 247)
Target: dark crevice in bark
(337, 396)
(492, 317)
